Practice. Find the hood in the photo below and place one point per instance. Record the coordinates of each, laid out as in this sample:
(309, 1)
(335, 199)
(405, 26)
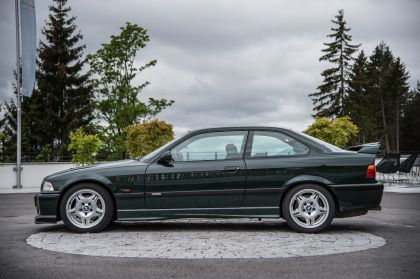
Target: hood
(92, 168)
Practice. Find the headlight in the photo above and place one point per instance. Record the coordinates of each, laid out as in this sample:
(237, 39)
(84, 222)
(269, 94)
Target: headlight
(47, 186)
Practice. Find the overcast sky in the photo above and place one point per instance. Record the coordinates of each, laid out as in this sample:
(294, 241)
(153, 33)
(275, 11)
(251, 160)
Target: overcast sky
(232, 62)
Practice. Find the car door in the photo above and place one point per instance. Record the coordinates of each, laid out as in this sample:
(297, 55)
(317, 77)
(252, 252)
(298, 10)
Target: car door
(207, 170)
(272, 158)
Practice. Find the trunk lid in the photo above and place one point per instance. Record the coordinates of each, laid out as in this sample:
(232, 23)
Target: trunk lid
(367, 148)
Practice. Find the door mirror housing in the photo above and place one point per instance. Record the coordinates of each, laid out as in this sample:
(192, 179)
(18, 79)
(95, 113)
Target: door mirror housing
(166, 158)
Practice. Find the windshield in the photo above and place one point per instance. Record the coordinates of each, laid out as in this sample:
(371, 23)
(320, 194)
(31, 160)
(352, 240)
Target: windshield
(330, 146)
(152, 154)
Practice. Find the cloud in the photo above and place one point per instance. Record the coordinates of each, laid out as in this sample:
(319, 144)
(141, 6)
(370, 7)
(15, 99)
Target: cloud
(237, 62)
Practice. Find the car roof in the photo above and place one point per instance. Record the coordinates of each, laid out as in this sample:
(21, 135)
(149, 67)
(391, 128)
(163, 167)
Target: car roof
(233, 128)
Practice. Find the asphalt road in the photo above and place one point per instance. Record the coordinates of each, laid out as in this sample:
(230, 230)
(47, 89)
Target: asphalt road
(398, 223)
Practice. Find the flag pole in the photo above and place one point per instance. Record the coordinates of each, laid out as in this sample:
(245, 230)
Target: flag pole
(18, 105)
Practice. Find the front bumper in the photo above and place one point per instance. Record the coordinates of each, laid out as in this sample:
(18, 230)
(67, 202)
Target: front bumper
(46, 207)
(358, 197)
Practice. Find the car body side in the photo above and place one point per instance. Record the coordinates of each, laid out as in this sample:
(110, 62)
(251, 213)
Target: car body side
(148, 190)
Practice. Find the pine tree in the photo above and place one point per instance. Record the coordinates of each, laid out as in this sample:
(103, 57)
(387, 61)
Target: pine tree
(329, 100)
(388, 80)
(63, 100)
(379, 71)
(359, 102)
(410, 122)
(399, 89)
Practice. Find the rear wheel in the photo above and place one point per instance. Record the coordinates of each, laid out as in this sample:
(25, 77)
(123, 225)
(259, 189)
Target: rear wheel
(86, 208)
(308, 208)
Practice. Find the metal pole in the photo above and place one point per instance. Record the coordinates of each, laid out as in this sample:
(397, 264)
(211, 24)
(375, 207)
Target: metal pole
(18, 105)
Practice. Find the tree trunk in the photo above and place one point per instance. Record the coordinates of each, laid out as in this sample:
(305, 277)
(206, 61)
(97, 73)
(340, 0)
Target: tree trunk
(385, 127)
(398, 128)
(342, 80)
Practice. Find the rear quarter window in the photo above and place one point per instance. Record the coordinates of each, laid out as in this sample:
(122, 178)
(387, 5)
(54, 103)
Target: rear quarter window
(272, 144)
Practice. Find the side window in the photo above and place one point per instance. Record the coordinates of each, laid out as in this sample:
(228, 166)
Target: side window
(211, 146)
(269, 144)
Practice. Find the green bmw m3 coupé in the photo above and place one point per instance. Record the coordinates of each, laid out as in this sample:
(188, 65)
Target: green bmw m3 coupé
(251, 172)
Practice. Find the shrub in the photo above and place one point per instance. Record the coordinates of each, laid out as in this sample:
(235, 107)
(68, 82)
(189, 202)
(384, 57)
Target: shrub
(83, 147)
(145, 137)
(338, 131)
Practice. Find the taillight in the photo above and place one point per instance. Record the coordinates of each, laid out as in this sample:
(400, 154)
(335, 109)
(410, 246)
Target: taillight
(371, 172)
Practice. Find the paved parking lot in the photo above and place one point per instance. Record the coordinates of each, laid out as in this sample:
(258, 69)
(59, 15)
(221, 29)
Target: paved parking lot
(342, 252)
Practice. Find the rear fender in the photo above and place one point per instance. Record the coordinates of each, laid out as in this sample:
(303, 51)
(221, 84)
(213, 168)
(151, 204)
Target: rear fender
(307, 179)
(302, 179)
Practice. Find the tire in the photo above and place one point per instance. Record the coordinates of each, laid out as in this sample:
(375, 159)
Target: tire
(308, 208)
(86, 207)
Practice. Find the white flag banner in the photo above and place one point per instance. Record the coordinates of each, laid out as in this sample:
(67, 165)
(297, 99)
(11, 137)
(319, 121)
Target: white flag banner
(28, 33)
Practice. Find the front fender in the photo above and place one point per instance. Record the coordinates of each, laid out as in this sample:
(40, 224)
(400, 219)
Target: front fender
(63, 185)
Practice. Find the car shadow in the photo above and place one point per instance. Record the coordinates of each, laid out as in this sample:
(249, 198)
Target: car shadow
(200, 225)
(240, 225)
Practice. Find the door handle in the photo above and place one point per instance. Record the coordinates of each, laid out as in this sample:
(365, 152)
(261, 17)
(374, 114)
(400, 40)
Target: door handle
(232, 169)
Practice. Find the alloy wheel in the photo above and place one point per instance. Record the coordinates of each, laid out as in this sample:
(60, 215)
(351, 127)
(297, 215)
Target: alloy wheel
(309, 208)
(85, 208)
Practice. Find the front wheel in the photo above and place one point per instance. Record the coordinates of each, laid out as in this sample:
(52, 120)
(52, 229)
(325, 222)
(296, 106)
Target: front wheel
(86, 208)
(308, 208)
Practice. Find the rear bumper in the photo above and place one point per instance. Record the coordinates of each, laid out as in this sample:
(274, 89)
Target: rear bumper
(358, 197)
(46, 207)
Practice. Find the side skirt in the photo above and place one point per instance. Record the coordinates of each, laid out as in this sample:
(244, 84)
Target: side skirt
(235, 212)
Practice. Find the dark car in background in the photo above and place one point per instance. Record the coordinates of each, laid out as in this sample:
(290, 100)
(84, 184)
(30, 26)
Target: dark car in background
(251, 172)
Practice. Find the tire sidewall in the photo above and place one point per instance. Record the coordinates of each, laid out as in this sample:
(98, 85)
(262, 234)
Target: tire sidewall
(295, 226)
(108, 213)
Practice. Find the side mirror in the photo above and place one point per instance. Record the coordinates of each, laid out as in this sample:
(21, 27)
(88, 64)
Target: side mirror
(166, 158)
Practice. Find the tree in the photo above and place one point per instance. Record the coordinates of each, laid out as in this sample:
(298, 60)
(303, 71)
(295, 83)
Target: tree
(410, 122)
(338, 131)
(359, 101)
(83, 146)
(9, 126)
(145, 137)
(399, 87)
(117, 98)
(1, 141)
(2, 136)
(388, 80)
(329, 99)
(63, 99)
